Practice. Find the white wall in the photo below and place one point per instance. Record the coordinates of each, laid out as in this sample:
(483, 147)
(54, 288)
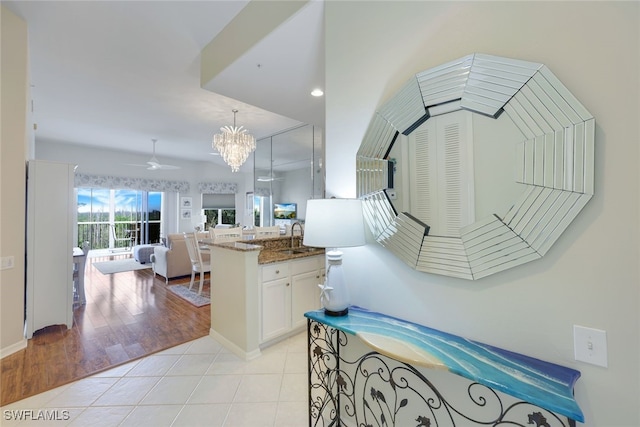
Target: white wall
(590, 277)
(110, 162)
(13, 151)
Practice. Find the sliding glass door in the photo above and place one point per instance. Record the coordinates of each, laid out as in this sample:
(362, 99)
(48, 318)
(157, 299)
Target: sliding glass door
(118, 219)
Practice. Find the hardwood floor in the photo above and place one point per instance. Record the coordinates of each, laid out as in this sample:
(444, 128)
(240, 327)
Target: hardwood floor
(127, 316)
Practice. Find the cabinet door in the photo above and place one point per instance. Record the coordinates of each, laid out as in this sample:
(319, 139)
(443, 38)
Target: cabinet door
(305, 296)
(276, 308)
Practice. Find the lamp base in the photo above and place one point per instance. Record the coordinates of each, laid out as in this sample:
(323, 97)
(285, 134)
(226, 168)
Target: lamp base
(336, 313)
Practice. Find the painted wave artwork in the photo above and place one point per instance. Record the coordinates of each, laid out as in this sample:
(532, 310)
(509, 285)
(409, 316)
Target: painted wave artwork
(544, 384)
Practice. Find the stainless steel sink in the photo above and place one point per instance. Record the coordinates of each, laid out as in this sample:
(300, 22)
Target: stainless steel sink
(301, 250)
(286, 251)
(306, 249)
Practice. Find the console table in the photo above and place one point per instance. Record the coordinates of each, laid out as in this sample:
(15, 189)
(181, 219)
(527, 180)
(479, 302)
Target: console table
(367, 368)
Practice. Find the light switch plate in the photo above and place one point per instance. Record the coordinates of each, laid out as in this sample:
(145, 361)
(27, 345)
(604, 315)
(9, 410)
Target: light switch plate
(590, 345)
(6, 262)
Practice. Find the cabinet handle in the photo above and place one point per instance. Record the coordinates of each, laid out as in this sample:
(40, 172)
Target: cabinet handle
(277, 271)
(287, 284)
(317, 277)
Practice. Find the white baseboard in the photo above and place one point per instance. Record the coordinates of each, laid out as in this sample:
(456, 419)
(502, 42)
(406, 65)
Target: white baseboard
(13, 348)
(281, 338)
(234, 348)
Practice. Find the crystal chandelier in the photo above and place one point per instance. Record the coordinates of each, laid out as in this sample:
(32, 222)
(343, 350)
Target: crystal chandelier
(234, 144)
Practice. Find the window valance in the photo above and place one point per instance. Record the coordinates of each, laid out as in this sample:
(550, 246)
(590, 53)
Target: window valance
(143, 184)
(218, 187)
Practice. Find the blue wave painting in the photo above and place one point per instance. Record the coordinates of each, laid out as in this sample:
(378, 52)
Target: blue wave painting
(544, 384)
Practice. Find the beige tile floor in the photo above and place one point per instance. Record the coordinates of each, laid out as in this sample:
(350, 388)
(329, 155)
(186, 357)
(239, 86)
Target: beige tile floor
(199, 383)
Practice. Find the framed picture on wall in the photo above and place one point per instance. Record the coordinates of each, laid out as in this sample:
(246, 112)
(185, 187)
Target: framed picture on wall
(185, 214)
(186, 202)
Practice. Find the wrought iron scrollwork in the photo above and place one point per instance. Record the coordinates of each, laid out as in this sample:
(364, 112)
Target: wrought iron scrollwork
(376, 391)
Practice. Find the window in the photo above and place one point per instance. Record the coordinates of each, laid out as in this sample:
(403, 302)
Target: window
(219, 209)
(106, 217)
(219, 216)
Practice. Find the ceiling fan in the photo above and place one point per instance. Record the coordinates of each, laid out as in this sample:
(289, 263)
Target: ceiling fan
(268, 178)
(154, 164)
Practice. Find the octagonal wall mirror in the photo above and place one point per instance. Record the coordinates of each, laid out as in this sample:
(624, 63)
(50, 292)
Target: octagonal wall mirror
(476, 166)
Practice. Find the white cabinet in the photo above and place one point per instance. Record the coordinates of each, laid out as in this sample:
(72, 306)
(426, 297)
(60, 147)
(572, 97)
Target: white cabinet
(306, 275)
(288, 290)
(276, 308)
(49, 264)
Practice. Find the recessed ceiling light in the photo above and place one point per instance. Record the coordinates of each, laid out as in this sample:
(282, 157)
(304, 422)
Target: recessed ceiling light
(317, 92)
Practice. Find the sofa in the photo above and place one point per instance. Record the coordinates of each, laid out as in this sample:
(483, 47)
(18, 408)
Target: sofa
(172, 259)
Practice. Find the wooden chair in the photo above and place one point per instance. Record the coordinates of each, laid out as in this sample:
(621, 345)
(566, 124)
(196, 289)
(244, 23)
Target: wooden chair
(198, 265)
(219, 235)
(79, 262)
(262, 232)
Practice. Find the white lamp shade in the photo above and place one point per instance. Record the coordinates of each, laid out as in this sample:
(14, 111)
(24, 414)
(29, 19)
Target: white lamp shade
(334, 223)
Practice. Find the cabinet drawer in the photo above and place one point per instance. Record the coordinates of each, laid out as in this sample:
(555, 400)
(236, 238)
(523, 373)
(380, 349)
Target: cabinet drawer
(275, 271)
(305, 265)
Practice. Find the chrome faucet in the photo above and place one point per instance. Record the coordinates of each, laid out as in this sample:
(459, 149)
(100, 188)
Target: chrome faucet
(301, 232)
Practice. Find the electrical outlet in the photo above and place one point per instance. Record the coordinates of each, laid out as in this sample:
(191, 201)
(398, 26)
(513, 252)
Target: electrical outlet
(7, 262)
(590, 345)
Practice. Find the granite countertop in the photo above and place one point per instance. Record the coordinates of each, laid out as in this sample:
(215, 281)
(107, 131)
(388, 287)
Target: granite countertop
(274, 249)
(267, 256)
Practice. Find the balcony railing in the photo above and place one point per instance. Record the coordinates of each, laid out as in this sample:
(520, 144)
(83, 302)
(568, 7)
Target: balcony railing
(100, 236)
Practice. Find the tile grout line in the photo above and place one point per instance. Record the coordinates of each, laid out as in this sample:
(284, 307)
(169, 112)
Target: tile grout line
(283, 355)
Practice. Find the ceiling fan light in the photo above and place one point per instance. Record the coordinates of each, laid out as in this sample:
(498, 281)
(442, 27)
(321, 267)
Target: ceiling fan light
(266, 178)
(154, 164)
(234, 144)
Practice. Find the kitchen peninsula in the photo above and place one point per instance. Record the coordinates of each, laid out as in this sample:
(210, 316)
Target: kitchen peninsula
(260, 290)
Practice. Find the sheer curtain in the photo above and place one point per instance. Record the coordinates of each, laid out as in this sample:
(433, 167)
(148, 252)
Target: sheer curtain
(169, 222)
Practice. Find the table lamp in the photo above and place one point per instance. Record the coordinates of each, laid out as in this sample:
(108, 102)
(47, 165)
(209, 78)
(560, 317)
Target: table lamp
(333, 224)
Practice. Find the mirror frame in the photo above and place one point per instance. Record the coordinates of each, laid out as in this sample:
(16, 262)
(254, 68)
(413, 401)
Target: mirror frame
(555, 161)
